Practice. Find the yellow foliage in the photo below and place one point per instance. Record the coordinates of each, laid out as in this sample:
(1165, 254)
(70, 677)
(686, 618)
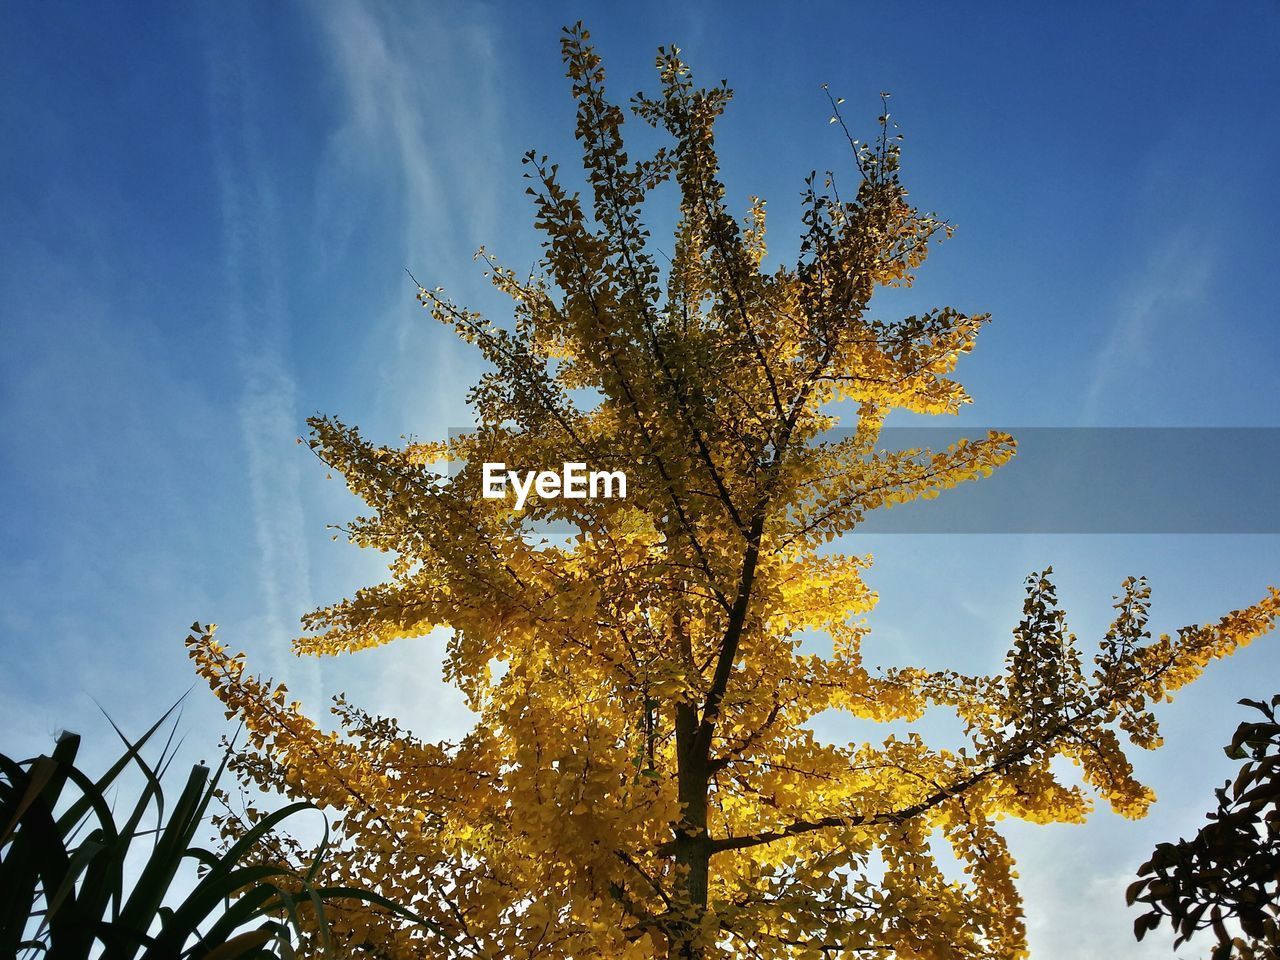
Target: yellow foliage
(641, 780)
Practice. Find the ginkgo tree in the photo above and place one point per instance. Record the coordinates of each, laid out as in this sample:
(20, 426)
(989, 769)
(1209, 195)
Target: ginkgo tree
(642, 779)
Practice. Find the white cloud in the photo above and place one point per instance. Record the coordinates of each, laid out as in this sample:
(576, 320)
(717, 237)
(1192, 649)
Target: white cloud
(418, 125)
(257, 315)
(1075, 916)
(1178, 272)
(421, 118)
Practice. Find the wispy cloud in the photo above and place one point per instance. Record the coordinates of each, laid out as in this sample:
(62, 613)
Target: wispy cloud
(423, 130)
(1177, 273)
(1074, 916)
(421, 119)
(256, 311)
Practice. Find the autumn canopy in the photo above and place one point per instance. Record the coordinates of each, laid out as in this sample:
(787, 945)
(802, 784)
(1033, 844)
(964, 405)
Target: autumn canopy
(641, 779)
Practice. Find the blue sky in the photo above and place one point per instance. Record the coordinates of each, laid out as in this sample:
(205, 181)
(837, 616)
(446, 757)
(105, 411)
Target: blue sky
(207, 213)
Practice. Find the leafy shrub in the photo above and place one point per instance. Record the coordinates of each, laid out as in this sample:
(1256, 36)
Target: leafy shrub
(68, 894)
(1227, 877)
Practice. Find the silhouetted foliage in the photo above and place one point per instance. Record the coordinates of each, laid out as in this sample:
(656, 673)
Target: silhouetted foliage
(1227, 877)
(66, 892)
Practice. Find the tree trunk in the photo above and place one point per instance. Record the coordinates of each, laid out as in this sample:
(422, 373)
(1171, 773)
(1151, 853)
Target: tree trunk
(692, 850)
